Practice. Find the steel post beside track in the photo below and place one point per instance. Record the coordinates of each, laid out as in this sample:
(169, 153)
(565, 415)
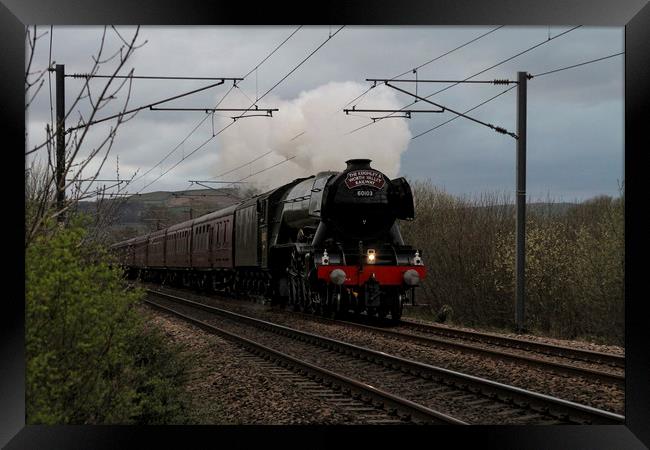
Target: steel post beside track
(520, 263)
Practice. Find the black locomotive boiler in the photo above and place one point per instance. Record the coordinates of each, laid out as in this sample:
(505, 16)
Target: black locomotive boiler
(328, 244)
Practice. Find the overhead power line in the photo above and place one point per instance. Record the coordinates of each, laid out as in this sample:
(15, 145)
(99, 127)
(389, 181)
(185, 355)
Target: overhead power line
(243, 113)
(268, 168)
(529, 76)
(210, 181)
(268, 112)
(363, 94)
(184, 139)
(245, 164)
(146, 77)
(393, 80)
(407, 112)
(217, 105)
(464, 112)
(428, 62)
(576, 65)
(124, 113)
(480, 122)
(302, 62)
(331, 35)
(394, 110)
(481, 72)
(358, 97)
(274, 50)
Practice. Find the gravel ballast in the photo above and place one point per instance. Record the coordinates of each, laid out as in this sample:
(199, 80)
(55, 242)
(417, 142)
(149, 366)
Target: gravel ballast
(577, 389)
(229, 387)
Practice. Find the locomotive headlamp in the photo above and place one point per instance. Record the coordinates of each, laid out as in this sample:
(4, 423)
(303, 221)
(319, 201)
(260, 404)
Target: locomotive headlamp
(371, 256)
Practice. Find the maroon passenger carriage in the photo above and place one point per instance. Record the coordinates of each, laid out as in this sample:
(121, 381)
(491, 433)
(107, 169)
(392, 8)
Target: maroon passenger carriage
(328, 244)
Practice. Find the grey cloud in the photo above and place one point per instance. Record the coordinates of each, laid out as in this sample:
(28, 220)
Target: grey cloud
(575, 116)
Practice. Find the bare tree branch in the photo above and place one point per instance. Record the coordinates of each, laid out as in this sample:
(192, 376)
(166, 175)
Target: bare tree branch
(41, 180)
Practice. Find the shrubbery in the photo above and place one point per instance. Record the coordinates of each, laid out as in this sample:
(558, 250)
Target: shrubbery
(90, 358)
(574, 263)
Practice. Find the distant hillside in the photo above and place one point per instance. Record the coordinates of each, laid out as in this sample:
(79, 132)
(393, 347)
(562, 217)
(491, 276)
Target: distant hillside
(143, 213)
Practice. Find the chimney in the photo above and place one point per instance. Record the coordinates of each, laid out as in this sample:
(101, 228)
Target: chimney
(355, 164)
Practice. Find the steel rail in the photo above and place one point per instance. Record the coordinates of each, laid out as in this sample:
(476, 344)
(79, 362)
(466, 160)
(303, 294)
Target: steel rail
(544, 348)
(559, 367)
(394, 405)
(564, 410)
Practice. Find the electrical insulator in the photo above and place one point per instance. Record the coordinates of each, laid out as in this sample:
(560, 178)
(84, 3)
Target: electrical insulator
(501, 81)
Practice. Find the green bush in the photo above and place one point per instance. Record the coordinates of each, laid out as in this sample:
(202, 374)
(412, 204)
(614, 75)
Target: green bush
(90, 359)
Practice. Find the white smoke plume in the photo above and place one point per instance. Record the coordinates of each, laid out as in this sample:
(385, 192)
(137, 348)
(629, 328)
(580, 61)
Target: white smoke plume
(324, 145)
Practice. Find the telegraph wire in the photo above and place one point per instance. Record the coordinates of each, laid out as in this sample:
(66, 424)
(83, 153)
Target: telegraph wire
(505, 60)
(149, 105)
(264, 170)
(274, 50)
(360, 96)
(422, 65)
(529, 77)
(480, 122)
(245, 164)
(276, 84)
(261, 97)
(465, 112)
(575, 65)
(426, 63)
(479, 73)
(146, 77)
(217, 105)
(451, 51)
(184, 139)
(302, 62)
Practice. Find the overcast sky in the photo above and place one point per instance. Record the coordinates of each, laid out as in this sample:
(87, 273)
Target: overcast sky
(575, 117)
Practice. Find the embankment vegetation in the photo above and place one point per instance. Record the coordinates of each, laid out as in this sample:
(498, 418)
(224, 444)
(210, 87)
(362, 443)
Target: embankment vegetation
(90, 357)
(574, 263)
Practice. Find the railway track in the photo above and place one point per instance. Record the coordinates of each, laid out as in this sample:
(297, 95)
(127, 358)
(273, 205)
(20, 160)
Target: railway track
(590, 365)
(608, 366)
(588, 356)
(398, 382)
(373, 405)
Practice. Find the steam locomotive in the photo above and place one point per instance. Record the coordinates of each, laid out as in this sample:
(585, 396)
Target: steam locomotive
(328, 244)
